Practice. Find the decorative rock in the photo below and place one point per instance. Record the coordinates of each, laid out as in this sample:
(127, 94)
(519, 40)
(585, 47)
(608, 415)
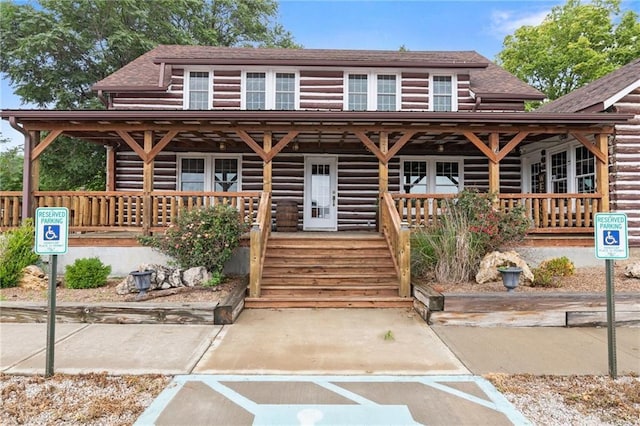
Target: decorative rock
(488, 271)
(195, 276)
(164, 278)
(33, 278)
(633, 270)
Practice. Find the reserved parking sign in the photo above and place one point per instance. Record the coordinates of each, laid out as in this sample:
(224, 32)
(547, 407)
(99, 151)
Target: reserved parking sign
(611, 237)
(52, 229)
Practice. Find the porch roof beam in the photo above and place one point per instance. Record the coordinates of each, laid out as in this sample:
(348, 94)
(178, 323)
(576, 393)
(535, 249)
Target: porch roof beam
(305, 128)
(129, 140)
(511, 145)
(252, 144)
(372, 146)
(281, 144)
(481, 146)
(591, 147)
(53, 135)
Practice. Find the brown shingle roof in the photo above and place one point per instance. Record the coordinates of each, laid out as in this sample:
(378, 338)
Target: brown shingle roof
(143, 72)
(592, 97)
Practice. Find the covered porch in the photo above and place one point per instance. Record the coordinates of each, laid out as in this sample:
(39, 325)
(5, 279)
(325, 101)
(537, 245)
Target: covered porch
(281, 153)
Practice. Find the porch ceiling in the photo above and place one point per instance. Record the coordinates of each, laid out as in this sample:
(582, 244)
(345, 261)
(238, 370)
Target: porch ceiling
(202, 129)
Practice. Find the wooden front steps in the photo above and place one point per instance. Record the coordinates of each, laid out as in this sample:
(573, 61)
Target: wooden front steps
(328, 270)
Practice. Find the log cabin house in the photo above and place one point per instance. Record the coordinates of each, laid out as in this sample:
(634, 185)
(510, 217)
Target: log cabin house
(617, 92)
(350, 149)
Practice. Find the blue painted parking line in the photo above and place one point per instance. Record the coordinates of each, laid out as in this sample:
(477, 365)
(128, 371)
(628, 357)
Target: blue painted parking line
(354, 409)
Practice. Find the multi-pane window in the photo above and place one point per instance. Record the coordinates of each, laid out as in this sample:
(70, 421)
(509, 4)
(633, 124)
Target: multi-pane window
(386, 93)
(442, 93)
(208, 173)
(225, 173)
(358, 88)
(285, 91)
(255, 91)
(414, 177)
(447, 177)
(536, 181)
(585, 170)
(198, 93)
(192, 172)
(559, 172)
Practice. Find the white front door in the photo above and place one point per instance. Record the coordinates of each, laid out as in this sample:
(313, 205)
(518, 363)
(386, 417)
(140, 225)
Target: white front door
(320, 194)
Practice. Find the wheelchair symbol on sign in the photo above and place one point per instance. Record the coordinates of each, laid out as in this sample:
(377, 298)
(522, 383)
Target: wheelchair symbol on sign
(52, 233)
(611, 238)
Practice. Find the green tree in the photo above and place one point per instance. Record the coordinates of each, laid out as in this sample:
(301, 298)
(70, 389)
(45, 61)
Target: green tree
(53, 51)
(575, 44)
(11, 162)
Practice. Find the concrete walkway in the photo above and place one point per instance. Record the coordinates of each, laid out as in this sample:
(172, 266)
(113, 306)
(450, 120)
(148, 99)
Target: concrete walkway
(315, 362)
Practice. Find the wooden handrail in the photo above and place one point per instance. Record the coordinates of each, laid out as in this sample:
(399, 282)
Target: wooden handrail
(259, 235)
(397, 234)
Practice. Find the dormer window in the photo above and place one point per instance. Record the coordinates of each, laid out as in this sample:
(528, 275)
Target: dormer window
(372, 92)
(198, 94)
(270, 90)
(444, 93)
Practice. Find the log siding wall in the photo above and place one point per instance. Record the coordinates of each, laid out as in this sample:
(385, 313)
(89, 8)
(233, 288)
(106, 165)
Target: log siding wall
(321, 90)
(624, 174)
(357, 181)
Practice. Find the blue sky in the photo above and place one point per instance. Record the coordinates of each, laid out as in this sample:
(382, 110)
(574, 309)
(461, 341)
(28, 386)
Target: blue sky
(479, 25)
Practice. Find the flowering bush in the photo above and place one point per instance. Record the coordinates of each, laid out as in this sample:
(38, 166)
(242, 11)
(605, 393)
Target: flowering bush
(201, 237)
(468, 228)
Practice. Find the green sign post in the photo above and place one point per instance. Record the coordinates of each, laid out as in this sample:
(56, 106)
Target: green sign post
(611, 241)
(52, 230)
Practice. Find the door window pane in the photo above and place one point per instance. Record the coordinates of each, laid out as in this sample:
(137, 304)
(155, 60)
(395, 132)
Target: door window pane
(285, 91)
(198, 90)
(442, 93)
(255, 91)
(357, 92)
(321, 191)
(559, 172)
(225, 175)
(585, 171)
(537, 182)
(415, 177)
(386, 93)
(447, 177)
(192, 174)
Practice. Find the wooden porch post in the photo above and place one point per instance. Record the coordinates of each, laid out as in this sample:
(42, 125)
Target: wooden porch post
(111, 168)
(27, 187)
(147, 184)
(602, 170)
(267, 168)
(494, 166)
(383, 175)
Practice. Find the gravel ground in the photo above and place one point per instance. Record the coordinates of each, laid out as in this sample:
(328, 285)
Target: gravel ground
(98, 399)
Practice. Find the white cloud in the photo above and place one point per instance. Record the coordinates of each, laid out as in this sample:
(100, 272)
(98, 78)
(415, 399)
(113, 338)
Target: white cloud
(505, 22)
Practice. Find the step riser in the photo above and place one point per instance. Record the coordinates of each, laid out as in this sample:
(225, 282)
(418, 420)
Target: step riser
(267, 292)
(328, 282)
(264, 304)
(333, 270)
(325, 252)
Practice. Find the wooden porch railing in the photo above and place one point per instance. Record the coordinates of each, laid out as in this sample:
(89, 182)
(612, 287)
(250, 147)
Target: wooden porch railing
(124, 210)
(10, 209)
(260, 231)
(549, 213)
(397, 234)
(559, 213)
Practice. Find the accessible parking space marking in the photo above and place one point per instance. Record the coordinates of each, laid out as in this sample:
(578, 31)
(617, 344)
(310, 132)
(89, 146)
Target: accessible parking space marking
(330, 400)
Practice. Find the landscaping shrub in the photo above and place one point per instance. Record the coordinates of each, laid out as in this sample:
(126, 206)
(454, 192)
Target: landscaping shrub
(16, 252)
(468, 228)
(548, 273)
(86, 273)
(201, 237)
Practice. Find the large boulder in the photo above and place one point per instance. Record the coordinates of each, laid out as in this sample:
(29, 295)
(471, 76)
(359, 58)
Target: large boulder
(632, 270)
(488, 271)
(33, 278)
(164, 277)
